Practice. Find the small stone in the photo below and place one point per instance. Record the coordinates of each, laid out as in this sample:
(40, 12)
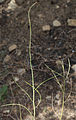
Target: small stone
(71, 22)
(59, 64)
(66, 6)
(18, 52)
(74, 67)
(57, 6)
(6, 111)
(58, 102)
(7, 58)
(57, 96)
(40, 15)
(16, 79)
(12, 47)
(49, 108)
(21, 71)
(48, 97)
(12, 5)
(46, 28)
(56, 23)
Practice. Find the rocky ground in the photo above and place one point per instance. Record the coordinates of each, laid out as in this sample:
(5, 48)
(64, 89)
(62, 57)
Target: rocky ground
(53, 44)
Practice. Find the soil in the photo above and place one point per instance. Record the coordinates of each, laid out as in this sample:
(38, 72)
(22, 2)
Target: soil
(48, 48)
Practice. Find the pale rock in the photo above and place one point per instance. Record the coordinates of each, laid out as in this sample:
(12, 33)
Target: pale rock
(12, 5)
(58, 102)
(49, 108)
(66, 6)
(56, 23)
(6, 111)
(57, 6)
(48, 97)
(46, 28)
(18, 52)
(40, 16)
(74, 73)
(59, 64)
(57, 96)
(12, 47)
(71, 22)
(74, 67)
(16, 79)
(7, 58)
(21, 71)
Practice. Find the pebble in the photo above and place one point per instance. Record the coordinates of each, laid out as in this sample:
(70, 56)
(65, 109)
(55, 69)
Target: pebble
(48, 97)
(16, 79)
(7, 58)
(12, 47)
(57, 96)
(74, 67)
(12, 5)
(6, 111)
(58, 102)
(21, 71)
(18, 52)
(56, 23)
(71, 22)
(40, 15)
(46, 28)
(59, 64)
(57, 6)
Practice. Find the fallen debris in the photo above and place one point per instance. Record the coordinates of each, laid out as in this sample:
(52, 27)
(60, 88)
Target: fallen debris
(56, 23)
(12, 5)
(74, 67)
(7, 58)
(46, 28)
(12, 47)
(71, 22)
(21, 71)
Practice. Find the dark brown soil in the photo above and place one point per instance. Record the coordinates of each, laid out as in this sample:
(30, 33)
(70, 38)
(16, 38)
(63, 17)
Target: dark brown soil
(58, 44)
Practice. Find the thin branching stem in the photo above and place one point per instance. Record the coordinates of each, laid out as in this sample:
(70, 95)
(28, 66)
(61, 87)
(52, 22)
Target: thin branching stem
(29, 18)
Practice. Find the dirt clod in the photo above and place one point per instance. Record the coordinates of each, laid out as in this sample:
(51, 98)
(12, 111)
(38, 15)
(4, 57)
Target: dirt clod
(46, 28)
(12, 47)
(56, 23)
(7, 58)
(71, 22)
